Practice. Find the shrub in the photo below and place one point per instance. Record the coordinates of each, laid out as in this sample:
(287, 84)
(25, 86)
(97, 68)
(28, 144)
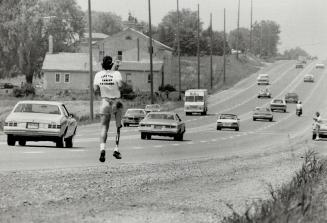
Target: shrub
(127, 92)
(167, 87)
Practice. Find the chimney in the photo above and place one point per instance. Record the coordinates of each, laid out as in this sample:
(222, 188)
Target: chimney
(50, 44)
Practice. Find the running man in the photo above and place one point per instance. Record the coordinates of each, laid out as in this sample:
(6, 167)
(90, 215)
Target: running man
(108, 82)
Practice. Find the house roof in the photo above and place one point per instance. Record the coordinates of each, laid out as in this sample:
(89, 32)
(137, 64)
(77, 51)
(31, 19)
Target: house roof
(140, 66)
(96, 35)
(68, 62)
(141, 35)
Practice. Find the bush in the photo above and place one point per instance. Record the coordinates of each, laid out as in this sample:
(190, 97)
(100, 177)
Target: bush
(127, 92)
(25, 90)
(167, 87)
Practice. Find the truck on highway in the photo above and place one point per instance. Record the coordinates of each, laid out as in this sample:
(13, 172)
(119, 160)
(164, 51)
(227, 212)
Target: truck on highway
(196, 101)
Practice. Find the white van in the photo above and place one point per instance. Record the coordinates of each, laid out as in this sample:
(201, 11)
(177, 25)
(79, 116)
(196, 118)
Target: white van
(196, 101)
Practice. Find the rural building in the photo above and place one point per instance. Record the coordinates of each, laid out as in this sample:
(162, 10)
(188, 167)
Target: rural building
(132, 45)
(67, 71)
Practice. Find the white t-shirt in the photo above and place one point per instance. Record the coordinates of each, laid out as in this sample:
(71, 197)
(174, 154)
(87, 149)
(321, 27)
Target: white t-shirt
(109, 82)
(299, 106)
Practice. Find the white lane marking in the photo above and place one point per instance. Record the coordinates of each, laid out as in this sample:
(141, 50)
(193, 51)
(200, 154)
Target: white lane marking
(76, 150)
(158, 146)
(176, 144)
(213, 140)
(190, 143)
(33, 152)
(137, 147)
(203, 141)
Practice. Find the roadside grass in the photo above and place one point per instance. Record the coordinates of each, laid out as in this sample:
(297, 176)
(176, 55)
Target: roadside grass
(292, 202)
(236, 70)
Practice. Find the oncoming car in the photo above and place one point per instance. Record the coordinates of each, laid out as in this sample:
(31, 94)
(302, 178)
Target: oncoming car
(152, 108)
(264, 93)
(40, 121)
(133, 116)
(278, 104)
(162, 124)
(262, 113)
(291, 98)
(320, 66)
(299, 65)
(229, 121)
(263, 79)
(308, 78)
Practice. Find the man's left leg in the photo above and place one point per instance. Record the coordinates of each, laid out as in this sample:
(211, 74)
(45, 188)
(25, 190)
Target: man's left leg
(118, 117)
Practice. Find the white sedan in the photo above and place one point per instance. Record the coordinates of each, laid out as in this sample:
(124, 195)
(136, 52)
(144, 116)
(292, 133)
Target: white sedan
(228, 121)
(40, 121)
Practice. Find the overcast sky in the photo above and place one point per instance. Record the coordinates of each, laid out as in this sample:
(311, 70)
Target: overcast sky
(303, 22)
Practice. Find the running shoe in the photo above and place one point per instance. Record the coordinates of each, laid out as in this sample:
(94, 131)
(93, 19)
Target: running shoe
(117, 155)
(102, 156)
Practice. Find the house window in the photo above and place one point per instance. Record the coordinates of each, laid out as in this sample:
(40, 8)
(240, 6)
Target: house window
(149, 78)
(67, 78)
(57, 78)
(120, 55)
(128, 37)
(128, 78)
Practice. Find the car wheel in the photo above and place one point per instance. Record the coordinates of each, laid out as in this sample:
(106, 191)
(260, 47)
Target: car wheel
(127, 125)
(254, 119)
(179, 137)
(218, 128)
(11, 141)
(285, 111)
(187, 113)
(69, 142)
(314, 136)
(22, 142)
(270, 120)
(148, 136)
(60, 142)
(237, 129)
(143, 135)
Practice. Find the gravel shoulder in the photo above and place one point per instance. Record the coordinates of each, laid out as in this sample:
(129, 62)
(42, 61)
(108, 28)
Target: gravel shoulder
(178, 191)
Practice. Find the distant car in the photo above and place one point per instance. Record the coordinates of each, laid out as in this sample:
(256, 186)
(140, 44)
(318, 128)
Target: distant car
(308, 78)
(278, 104)
(320, 66)
(133, 116)
(263, 79)
(162, 124)
(152, 108)
(291, 98)
(40, 121)
(322, 130)
(264, 93)
(262, 113)
(300, 65)
(229, 121)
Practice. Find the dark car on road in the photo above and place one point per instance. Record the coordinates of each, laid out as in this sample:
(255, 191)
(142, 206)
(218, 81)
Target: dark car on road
(299, 65)
(291, 98)
(133, 116)
(278, 104)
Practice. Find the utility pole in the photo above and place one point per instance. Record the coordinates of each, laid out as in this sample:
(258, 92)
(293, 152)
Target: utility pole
(150, 52)
(238, 29)
(224, 48)
(198, 45)
(179, 52)
(251, 20)
(211, 46)
(91, 61)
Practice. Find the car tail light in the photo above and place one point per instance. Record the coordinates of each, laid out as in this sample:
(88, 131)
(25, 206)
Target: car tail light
(11, 124)
(54, 126)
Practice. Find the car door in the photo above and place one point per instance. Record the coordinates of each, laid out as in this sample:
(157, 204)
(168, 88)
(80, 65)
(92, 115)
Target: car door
(71, 122)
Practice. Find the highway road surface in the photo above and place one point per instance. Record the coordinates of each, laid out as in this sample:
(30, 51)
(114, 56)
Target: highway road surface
(201, 139)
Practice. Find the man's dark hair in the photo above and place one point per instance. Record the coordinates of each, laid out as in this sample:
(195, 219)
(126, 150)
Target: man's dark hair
(107, 63)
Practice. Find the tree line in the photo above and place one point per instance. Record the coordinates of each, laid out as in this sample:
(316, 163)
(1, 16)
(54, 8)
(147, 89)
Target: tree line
(25, 26)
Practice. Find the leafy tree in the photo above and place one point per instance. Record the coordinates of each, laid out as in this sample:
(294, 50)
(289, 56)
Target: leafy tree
(188, 31)
(295, 53)
(106, 22)
(217, 40)
(239, 41)
(265, 38)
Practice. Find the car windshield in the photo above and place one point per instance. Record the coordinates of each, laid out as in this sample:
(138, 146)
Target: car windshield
(135, 112)
(227, 116)
(323, 121)
(152, 106)
(263, 76)
(278, 101)
(196, 98)
(38, 108)
(161, 116)
(262, 109)
(291, 95)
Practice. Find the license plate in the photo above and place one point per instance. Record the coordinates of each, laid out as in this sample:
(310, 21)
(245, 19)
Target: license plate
(32, 125)
(157, 127)
(227, 124)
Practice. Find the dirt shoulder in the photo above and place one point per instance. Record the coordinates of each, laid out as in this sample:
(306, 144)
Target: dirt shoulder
(179, 191)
